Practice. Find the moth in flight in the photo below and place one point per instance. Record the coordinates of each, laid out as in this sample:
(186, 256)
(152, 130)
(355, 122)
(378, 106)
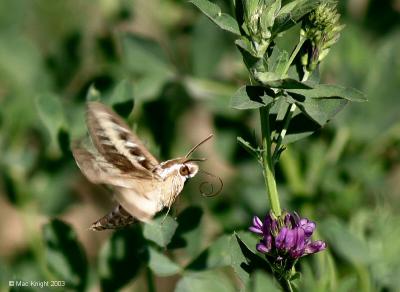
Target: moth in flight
(142, 185)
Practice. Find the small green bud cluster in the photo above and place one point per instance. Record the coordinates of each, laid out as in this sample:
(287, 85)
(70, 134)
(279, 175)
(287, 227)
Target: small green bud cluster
(259, 17)
(322, 30)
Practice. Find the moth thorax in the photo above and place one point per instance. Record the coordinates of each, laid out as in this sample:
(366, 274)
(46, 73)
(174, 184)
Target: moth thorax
(188, 170)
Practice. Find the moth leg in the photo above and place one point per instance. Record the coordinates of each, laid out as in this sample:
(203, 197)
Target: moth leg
(166, 215)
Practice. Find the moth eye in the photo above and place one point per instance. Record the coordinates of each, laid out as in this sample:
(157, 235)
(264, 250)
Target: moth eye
(184, 171)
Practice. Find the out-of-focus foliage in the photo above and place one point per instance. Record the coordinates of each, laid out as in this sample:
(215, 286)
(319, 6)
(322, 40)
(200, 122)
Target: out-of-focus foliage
(177, 71)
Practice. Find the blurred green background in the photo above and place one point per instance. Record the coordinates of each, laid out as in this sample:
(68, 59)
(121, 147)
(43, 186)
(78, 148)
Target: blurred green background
(182, 71)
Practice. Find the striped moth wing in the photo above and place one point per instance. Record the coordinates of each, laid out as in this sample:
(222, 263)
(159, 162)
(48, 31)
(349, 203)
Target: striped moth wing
(118, 158)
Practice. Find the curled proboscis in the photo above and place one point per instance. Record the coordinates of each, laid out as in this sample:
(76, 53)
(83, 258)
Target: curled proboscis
(207, 188)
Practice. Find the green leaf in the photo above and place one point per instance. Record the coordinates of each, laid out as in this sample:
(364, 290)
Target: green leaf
(249, 55)
(347, 284)
(243, 260)
(268, 16)
(51, 113)
(327, 90)
(291, 13)
(205, 58)
(286, 83)
(143, 55)
(246, 145)
(215, 256)
(213, 11)
(301, 125)
(251, 97)
(211, 89)
(261, 282)
(287, 9)
(160, 230)
(122, 257)
(122, 98)
(149, 65)
(189, 232)
(149, 86)
(65, 257)
(210, 281)
(344, 242)
(278, 64)
(265, 77)
(322, 110)
(322, 102)
(161, 265)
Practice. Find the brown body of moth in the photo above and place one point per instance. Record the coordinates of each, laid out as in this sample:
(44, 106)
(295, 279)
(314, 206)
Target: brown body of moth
(142, 185)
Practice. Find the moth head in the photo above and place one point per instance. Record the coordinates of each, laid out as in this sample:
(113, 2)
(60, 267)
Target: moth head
(188, 169)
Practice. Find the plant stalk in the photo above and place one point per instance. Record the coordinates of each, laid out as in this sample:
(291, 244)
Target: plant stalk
(292, 56)
(150, 280)
(290, 111)
(292, 108)
(287, 118)
(287, 286)
(268, 167)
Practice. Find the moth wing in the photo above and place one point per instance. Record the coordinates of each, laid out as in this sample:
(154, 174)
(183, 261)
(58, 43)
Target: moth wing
(115, 141)
(140, 201)
(97, 169)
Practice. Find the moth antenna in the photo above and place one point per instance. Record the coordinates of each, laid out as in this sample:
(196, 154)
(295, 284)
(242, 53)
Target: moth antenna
(198, 145)
(211, 193)
(195, 160)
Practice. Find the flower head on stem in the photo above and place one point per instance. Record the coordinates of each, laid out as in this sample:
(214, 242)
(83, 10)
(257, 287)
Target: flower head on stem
(322, 30)
(285, 239)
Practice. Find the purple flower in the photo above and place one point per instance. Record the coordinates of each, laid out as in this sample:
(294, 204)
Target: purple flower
(287, 237)
(257, 225)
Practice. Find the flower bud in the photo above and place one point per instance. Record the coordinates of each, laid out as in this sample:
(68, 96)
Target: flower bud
(259, 17)
(321, 28)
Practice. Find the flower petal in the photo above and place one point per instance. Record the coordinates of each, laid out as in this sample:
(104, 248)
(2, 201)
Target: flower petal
(270, 225)
(268, 241)
(262, 248)
(255, 230)
(298, 249)
(314, 247)
(280, 239)
(308, 226)
(267, 223)
(257, 226)
(300, 243)
(257, 222)
(290, 239)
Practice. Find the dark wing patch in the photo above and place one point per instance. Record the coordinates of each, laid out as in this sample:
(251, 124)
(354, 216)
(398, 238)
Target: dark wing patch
(116, 143)
(98, 170)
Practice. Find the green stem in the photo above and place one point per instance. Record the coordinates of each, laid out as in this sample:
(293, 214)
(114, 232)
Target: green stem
(286, 285)
(292, 108)
(286, 121)
(268, 159)
(268, 168)
(290, 111)
(292, 56)
(150, 280)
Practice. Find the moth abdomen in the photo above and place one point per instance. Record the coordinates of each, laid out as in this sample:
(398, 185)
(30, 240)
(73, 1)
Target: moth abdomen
(117, 218)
